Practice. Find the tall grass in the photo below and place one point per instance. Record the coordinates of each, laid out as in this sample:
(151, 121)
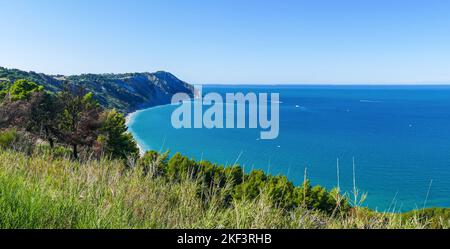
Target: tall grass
(40, 191)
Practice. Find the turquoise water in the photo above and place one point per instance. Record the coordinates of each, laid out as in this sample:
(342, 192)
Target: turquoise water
(398, 135)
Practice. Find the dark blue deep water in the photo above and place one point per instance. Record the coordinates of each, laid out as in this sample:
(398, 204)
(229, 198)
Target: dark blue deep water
(398, 135)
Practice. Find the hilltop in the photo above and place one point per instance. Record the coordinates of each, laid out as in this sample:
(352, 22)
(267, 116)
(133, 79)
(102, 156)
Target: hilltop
(125, 92)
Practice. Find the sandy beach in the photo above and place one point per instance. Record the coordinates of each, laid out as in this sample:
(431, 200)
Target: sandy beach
(129, 119)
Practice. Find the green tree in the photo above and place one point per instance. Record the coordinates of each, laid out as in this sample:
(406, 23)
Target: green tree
(4, 88)
(319, 198)
(181, 167)
(281, 191)
(22, 89)
(118, 143)
(234, 175)
(251, 186)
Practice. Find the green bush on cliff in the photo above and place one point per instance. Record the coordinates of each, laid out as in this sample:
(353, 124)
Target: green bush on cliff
(238, 185)
(22, 89)
(118, 143)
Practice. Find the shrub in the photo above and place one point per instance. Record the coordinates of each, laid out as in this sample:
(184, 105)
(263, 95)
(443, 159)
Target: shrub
(435, 216)
(117, 142)
(154, 163)
(22, 89)
(7, 138)
(236, 185)
(16, 140)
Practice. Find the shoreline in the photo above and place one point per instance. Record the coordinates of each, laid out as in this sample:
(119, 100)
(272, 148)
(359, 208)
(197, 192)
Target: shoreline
(129, 119)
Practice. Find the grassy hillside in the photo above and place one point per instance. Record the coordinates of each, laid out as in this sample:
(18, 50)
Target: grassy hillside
(124, 92)
(47, 191)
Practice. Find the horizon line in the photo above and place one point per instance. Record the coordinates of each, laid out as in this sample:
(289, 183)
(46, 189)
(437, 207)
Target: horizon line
(431, 83)
(305, 83)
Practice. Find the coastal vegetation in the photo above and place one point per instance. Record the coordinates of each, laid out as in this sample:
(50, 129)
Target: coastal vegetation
(71, 117)
(48, 190)
(67, 161)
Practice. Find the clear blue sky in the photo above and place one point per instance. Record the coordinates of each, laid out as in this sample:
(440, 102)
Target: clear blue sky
(228, 41)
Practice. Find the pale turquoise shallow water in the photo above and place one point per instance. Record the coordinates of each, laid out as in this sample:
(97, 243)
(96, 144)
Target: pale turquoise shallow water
(398, 135)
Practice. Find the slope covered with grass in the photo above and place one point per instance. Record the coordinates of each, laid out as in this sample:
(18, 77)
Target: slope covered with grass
(43, 191)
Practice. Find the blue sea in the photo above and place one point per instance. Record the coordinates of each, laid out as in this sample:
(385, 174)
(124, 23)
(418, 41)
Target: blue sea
(399, 137)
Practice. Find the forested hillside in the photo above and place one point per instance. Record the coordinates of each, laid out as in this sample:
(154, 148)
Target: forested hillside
(124, 92)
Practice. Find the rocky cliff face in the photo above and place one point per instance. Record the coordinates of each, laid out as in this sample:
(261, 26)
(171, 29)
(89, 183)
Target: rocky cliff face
(125, 92)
